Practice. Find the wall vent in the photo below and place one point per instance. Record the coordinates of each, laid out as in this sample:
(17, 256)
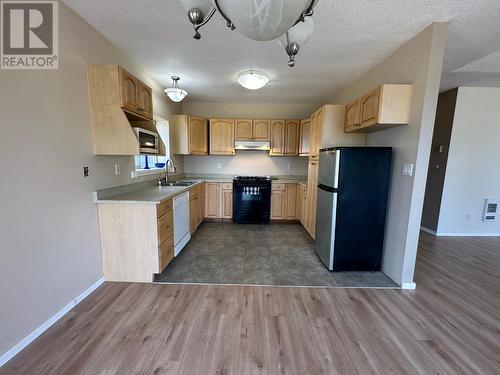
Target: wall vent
(490, 211)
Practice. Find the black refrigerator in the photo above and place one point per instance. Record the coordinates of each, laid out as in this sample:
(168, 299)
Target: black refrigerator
(353, 188)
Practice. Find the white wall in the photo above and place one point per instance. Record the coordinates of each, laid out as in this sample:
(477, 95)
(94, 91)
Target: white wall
(50, 251)
(419, 62)
(248, 162)
(472, 172)
(257, 163)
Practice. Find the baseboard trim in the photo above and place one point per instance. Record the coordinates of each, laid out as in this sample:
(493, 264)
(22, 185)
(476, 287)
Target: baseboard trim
(7, 356)
(408, 286)
(427, 230)
(442, 234)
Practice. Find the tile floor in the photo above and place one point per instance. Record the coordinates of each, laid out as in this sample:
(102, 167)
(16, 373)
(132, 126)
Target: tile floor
(276, 254)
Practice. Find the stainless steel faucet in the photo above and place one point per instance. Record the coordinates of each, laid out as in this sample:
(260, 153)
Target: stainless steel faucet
(174, 169)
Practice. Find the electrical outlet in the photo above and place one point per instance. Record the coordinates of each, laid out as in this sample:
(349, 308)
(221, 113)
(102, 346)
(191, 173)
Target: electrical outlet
(86, 172)
(289, 166)
(117, 169)
(219, 165)
(467, 217)
(407, 169)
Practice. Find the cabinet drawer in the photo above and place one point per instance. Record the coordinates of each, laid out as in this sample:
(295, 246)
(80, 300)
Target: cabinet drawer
(280, 187)
(166, 253)
(165, 227)
(227, 186)
(163, 208)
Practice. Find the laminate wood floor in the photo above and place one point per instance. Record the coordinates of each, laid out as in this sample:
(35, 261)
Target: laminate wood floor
(449, 325)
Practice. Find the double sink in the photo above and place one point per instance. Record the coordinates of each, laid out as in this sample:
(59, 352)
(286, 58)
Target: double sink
(178, 183)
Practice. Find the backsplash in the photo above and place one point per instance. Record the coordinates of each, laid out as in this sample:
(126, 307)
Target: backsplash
(257, 163)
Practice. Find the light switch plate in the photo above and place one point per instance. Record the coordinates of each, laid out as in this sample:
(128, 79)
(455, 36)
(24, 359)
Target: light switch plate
(408, 169)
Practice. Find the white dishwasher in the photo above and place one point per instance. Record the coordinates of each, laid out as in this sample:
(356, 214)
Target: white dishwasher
(181, 222)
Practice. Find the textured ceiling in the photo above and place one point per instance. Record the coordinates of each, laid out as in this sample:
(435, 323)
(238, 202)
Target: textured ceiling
(350, 37)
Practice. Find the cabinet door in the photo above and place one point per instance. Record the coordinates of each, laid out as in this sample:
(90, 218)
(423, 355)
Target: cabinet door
(312, 182)
(369, 107)
(222, 137)
(227, 204)
(352, 115)
(292, 130)
(129, 91)
(291, 202)
(212, 199)
(193, 213)
(243, 130)
(320, 120)
(278, 205)
(145, 100)
(201, 203)
(298, 204)
(198, 136)
(313, 153)
(305, 137)
(261, 130)
(277, 137)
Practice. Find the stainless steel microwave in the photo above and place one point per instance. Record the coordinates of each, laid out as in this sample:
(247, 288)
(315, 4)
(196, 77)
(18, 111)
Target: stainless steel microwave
(148, 141)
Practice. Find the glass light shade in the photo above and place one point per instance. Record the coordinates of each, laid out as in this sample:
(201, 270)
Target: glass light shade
(299, 34)
(204, 5)
(176, 94)
(263, 19)
(253, 79)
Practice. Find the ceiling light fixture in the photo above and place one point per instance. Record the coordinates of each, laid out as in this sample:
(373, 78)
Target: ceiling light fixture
(253, 79)
(175, 93)
(260, 20)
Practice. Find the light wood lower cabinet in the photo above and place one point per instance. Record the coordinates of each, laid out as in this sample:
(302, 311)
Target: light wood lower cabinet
(196, 207)
(301, 202)
(227, 204)
(136, 240)
(212, 200)
(284, 201)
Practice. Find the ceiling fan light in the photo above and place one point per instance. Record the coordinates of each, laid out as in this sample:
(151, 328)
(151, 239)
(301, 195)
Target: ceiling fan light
(263, 19)
(204, 5)
(253, 79)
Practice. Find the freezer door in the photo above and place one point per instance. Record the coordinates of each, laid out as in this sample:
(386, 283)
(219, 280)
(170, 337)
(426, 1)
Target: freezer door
(329, 165)
(326, 216)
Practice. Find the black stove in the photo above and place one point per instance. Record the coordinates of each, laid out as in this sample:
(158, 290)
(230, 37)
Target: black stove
(251, 200)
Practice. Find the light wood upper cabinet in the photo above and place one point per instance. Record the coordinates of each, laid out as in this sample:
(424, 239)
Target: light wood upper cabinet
(222, 137)
(243, 129)
(198, 136)
(277, 137)
(145, 94)
(212, 199)
(292, 134)
(385, 106)
(189, 135)
(305, 137)
(117, 101)
(316, 133)
(129, 90)
(261, 130)
(352, 115)
(135, 96)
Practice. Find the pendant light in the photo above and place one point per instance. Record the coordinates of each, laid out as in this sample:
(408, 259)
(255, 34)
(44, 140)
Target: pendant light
(175, 93)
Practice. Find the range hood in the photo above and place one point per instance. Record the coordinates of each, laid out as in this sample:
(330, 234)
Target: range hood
(252, 145)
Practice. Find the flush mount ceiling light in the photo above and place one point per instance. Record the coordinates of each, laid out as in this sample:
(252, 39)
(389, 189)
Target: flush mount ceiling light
(260, 20)
(175, 93)
(253, 79)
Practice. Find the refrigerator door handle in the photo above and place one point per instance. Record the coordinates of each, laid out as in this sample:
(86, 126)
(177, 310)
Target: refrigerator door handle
(328, 188)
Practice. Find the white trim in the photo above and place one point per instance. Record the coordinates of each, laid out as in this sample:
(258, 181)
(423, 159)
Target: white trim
(408, 286)
(444, 234)
(427, 230)
(12, 352)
